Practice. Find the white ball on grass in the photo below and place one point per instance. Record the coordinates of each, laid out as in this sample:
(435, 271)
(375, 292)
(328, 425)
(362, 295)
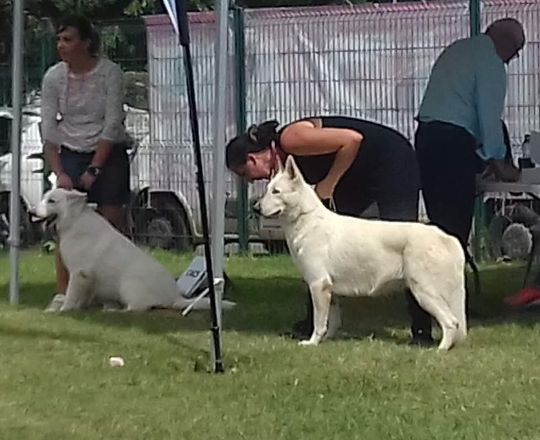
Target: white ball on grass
(116, 361)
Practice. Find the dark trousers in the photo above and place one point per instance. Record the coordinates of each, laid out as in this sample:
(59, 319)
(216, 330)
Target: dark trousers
(448, 167)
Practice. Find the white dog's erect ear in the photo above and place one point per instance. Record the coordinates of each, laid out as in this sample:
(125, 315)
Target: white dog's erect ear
(76, 194)
(278, 169)
(279, 164)
(291, 168)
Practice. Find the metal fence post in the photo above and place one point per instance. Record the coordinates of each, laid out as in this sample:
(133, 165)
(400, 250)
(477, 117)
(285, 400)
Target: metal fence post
(479, 208)
(240, 107)
(475, 17)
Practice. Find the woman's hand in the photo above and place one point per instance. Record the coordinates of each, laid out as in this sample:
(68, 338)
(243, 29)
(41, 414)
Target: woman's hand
(64, 181)
(87, 180)
(504, 171)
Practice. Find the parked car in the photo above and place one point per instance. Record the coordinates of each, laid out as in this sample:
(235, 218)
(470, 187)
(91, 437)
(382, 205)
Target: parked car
(32, 183)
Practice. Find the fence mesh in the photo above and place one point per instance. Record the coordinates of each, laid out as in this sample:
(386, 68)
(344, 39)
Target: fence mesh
(369, 61)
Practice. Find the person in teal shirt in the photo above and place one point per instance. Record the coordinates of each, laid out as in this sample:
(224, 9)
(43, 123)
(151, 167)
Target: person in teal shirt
(459, 124)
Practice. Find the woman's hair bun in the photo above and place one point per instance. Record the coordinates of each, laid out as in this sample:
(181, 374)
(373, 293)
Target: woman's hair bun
(264, 133)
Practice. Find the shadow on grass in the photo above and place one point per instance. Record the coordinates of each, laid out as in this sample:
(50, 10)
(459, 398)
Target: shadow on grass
(270, 306)
(34, 334)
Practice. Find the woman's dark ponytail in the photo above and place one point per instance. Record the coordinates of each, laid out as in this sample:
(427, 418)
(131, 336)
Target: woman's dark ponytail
(267, 132)
(257, 138)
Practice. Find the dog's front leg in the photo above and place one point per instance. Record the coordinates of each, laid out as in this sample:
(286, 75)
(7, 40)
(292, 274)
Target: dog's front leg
(334, 318)
(77, 291)
(321, 293)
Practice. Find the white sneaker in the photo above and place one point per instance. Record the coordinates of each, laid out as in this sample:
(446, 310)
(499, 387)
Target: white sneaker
(56, 303)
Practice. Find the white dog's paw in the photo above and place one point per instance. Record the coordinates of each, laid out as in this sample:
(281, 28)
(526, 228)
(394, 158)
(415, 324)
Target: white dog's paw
(69, 307)
(137, 308)
(56, 304)
(112, 309)
(308, 342)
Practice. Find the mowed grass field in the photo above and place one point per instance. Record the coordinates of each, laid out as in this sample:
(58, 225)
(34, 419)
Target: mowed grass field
(56, 383)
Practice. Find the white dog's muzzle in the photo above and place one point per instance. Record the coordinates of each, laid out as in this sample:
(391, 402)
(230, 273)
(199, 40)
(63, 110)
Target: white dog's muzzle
(48, 220)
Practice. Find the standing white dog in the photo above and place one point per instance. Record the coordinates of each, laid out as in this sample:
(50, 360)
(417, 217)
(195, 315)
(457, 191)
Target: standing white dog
(104, 265)
(341, 255)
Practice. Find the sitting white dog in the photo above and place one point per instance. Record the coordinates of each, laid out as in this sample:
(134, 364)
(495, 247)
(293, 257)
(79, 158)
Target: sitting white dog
(104, 266)
(342, 255)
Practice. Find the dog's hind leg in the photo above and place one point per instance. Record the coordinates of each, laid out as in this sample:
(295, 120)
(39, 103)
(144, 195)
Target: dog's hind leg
(78, 290)
(136, 296)
(439, 309)
(321, 292)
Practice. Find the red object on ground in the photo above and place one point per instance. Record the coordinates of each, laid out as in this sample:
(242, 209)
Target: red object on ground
(525, 297)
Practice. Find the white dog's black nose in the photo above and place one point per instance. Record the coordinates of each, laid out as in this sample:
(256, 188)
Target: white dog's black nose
(34, 218)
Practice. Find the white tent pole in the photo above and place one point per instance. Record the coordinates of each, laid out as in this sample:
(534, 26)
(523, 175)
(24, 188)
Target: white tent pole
(16, 93)
(218, 181)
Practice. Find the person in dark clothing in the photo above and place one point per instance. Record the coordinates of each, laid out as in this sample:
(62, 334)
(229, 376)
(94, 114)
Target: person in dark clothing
(352, 162)
(459, 124)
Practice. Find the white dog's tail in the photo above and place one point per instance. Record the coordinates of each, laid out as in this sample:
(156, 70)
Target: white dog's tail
(202, 304)
(457, 301)
(458, 306)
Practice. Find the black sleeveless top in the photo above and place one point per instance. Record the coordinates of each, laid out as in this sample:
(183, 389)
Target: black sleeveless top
(383, 150)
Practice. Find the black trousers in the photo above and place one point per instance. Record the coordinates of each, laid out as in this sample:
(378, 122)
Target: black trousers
(448, 167)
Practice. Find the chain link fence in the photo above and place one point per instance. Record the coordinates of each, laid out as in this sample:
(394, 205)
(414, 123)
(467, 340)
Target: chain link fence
(369, 61)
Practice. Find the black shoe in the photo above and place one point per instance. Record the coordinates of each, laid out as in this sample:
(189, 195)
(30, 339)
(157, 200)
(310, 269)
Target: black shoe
(475, 314)
(301, 330)
(422, 340)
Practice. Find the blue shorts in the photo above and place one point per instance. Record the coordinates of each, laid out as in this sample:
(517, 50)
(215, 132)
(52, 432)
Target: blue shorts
(111, 186)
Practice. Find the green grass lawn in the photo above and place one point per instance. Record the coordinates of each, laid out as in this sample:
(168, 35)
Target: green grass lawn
(55, 382)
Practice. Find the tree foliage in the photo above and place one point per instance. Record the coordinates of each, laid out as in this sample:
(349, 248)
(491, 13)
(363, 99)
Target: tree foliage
(120, 26)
